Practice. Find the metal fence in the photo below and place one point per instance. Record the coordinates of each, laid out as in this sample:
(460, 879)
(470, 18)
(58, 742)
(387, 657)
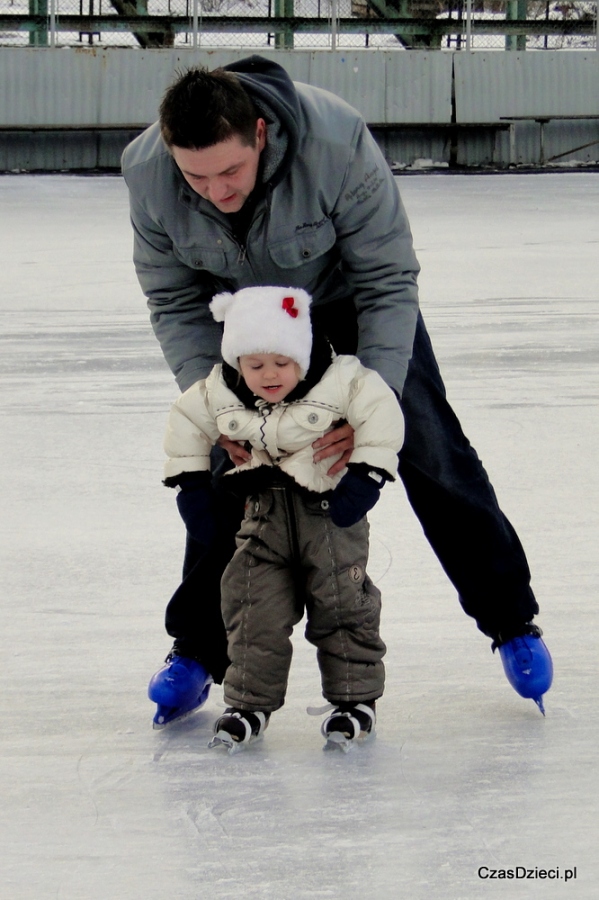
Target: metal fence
(302, 24)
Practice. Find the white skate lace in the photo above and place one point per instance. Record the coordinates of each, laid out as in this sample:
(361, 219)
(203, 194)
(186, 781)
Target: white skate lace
(319, 710)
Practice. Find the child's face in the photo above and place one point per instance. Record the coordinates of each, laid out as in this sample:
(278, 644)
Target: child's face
(269, 375)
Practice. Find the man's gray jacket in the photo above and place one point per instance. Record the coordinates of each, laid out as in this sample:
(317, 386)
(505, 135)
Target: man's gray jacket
(330, 221)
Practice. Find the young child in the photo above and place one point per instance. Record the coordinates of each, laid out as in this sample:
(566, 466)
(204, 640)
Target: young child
(303, 544)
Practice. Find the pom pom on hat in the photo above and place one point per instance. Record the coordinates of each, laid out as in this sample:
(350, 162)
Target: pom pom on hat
(265, 320)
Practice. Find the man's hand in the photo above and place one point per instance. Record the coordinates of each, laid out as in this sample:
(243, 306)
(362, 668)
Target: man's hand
(339, 440)
(236, 450)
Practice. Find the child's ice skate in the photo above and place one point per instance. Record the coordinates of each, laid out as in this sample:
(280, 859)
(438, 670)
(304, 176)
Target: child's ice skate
(527, 663)
(237, 728)
(348, 723)
(179, 688)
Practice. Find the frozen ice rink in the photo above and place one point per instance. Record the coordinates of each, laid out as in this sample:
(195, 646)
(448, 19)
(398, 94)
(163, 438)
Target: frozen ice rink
(464, 776)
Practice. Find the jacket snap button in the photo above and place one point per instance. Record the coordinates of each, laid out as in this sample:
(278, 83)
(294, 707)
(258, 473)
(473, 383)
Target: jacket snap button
(324, 504)
(355, 574)
(198, 262)
(232, 425)
(306, 253)
(256, 507)
(312, 418)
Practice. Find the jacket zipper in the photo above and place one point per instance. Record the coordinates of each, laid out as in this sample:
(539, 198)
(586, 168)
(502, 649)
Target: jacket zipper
(242, 248)
(242, 255)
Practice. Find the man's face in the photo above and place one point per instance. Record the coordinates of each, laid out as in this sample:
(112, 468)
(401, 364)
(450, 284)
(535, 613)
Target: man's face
(226, 173)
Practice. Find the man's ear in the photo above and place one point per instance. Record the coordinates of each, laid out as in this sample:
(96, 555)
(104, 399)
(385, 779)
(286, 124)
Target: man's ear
(261, 134)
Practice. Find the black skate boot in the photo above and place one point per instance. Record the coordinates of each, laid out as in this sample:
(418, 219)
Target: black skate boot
(238, 728)
(349, 722)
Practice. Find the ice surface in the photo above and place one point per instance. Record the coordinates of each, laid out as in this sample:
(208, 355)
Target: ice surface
(463, 773)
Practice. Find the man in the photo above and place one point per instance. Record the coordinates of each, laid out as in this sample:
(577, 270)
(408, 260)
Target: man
(247, 179)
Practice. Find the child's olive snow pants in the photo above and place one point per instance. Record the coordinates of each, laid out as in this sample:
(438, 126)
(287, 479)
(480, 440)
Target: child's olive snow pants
(290, 557)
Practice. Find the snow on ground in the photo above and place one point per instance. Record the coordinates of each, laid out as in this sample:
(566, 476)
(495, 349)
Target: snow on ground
(463, 774)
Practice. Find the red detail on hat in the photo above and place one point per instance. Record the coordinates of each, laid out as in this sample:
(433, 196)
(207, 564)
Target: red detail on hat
(289, 307)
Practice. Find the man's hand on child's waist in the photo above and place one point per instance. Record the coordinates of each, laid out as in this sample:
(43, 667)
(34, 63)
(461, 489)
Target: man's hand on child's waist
(235, 449)
(338, 441)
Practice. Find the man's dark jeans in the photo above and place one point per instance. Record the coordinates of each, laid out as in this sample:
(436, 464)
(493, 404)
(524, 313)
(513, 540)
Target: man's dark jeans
(451, 495)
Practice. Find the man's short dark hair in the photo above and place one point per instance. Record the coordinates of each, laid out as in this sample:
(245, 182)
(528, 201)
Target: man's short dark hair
(204, 108)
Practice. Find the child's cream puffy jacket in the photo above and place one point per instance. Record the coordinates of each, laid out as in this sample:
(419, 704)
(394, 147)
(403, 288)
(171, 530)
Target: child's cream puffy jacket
(281, 434)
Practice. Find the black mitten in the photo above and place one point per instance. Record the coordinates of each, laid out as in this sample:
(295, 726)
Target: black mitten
(356, 493)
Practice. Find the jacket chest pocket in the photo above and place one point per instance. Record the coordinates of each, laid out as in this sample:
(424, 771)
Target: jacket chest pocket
(234, 423)
(304, 247)
(206, 258)
(312, 418)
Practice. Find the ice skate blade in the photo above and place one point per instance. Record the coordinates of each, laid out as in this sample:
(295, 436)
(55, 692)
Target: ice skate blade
(164, 720)
(540, 704)
(231, 745)
(336, 740)
(166, 715)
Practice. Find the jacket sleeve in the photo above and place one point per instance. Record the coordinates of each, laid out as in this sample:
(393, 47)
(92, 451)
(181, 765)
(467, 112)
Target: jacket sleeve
(375, 243)
(373, 412)
(191, 432)
(178, 298)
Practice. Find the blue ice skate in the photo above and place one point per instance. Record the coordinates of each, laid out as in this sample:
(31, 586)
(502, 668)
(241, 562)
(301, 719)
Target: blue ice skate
(527, 665)
(181, 686)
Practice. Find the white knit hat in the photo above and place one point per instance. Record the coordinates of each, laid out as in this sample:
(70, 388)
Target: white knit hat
(265, 320)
